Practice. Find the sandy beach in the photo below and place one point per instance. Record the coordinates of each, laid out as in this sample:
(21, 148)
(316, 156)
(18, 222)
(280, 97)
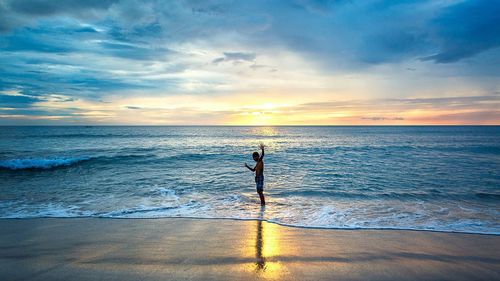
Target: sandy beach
(215, 249)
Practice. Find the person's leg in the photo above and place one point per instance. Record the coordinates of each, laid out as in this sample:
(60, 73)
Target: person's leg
(262, 199)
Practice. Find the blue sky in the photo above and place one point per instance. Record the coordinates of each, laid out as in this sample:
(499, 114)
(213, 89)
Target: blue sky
(249, 62)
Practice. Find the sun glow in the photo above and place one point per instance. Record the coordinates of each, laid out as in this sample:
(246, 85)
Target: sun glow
(245, 109)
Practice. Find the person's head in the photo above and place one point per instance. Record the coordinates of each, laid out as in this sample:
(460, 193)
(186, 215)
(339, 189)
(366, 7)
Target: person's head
(256, 156)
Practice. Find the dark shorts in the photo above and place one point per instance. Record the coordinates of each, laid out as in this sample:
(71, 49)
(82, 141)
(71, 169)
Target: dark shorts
(259, 182)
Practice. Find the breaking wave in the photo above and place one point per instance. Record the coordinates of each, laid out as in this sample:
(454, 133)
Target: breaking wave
(48, 163)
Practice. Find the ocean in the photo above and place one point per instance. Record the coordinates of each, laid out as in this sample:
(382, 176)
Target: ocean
(440, 178)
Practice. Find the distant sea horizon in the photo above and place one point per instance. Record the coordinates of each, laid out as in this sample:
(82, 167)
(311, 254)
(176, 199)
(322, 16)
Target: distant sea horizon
(228, 125)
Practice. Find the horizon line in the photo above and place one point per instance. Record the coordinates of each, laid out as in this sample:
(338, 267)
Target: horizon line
(222, 125)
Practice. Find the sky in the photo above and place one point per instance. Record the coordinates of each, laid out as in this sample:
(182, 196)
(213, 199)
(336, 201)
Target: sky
(296, 62)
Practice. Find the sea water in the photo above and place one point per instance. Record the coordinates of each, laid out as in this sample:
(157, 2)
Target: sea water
(443, 178)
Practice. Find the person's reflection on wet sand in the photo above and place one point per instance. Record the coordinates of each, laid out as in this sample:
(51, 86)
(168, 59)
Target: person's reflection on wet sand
(259, 243)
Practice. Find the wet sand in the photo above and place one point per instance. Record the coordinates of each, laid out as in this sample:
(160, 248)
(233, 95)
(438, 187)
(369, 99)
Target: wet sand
(212, 249)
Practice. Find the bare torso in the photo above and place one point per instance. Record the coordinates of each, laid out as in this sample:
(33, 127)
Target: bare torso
(259, 168)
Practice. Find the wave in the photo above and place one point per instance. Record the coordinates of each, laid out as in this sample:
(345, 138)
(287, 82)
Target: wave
(120, 213)
(136, 135)
(358, 194)
(82, 135)
(55, 162)
(485, 195)
(58, 162)
(33, 163)
(191, 156)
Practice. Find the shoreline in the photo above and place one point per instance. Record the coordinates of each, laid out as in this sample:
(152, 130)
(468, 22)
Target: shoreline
(229, 249)
(264, 220)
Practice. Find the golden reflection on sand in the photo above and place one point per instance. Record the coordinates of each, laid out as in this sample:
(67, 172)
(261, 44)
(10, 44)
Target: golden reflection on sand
(267, 249)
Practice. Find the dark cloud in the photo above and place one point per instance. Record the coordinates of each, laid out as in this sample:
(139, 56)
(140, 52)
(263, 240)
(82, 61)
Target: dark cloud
(356, 34)
(18, 99)
(53, 74)
(235, 57)
(130, 51)
(86, 29)
(30, 40)
(337, 34)
(466, 29)
(16, 13)
(351, 34)
(133, 107)
(47, 7)
(322, 7)
(8, 20)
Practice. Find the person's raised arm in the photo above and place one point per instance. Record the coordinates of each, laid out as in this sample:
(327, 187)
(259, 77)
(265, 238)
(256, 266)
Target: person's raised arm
(261, 146)
(250, 168)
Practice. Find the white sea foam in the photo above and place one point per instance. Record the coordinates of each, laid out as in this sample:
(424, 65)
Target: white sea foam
(308, 216)
(46, 210)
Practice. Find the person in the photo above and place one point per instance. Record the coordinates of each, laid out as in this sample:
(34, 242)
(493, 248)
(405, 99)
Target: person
(259, 173)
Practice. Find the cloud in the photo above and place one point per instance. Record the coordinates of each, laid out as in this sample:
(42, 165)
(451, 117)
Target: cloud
(45, 7)
(384, 32)
(489, 102)
(235, 57)
(18, 13)
(380, 118)
(57, 98)
(132, 51)
(133, 107)
(17, 99)
(27, 41)
(473, 117)
(324, 31)
(346, 51)
(466, 29)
